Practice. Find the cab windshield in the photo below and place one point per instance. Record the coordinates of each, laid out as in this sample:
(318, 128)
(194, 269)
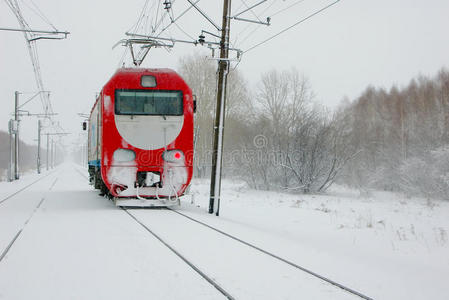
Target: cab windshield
(148, 102)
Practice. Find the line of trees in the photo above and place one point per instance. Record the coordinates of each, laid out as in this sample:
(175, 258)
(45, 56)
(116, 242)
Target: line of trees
(277, 138)
(27, 154)
(403, 135)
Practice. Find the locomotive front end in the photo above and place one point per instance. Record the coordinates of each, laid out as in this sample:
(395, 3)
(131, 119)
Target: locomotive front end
(147, 137)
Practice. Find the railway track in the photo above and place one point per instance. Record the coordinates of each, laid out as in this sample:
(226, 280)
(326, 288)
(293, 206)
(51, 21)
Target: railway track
(323, 278)
(152, 221)
(183, 258)
(187, 261)
(213, 282)
(36, 208)
(24, 188)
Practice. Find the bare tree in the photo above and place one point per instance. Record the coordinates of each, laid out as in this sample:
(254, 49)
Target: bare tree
(200, 73)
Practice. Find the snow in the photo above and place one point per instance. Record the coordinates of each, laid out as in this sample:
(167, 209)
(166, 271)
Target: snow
(386, 246)
(123, 173)
(78, 245)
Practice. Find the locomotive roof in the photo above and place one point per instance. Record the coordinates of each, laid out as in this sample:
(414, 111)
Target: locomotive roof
(143, 70)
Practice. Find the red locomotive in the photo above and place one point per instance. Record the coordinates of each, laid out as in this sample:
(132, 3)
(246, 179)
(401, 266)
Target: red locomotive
(141, 137)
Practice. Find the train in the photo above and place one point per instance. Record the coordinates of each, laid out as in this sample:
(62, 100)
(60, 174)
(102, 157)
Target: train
(140, 137)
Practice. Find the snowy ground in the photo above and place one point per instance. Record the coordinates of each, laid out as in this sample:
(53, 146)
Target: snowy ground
(387, 246)
(77, 245)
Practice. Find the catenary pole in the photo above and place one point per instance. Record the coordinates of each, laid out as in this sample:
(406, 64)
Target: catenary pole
(11, 151)
(16, 136)
(48, 148)
(52, 153)
(39, 126)
(217, 153)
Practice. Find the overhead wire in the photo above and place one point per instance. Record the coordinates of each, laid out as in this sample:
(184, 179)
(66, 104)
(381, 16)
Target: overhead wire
(291, 26)
(286, 8)
(159, 20)
(251, 10)
(14, 6)
(134, 28)
(42, 15)
(235, 10)
(153, 28)
(172, 19)
(257, 27)
(183, 31)
(32, 50)
(178, 17)
(145, 22)
(163, 16)
(140, 24)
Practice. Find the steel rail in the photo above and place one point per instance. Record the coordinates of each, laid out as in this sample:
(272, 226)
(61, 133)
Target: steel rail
(188, 262)
(24, 188)
(334, 283)
(11, 243)
(219, 288)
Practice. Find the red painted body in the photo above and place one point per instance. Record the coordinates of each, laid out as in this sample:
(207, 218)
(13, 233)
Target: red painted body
(146, 160)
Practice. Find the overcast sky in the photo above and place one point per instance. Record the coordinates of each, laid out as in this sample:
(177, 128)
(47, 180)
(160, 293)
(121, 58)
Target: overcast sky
(342, 50)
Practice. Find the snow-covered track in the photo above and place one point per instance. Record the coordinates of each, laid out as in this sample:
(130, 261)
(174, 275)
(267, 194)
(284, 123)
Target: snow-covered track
(352, 291)
(246, 243)
(334, 283)
(11, 243)
(241, 270)
(188, 262)
(165, 241)
(152, 220)
(24, 188)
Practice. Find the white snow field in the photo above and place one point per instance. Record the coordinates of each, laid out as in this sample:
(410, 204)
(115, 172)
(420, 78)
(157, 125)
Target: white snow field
(74, 244)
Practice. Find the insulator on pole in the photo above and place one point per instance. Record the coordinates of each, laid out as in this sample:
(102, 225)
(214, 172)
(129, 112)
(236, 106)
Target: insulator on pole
(167, 4)
(201, 39)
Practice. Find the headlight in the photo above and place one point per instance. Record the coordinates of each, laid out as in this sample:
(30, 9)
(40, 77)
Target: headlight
(124, 155)
(148, 81)
(173, 156)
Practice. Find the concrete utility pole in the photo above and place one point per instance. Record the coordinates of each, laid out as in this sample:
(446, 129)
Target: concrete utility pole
(48, 148)
(16, 135)
(217, 154)
(52, 149)
(39, 128)
(52, 153)
(11, 151)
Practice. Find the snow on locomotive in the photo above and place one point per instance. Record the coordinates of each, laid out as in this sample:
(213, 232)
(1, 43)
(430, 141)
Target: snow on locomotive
(140, 141)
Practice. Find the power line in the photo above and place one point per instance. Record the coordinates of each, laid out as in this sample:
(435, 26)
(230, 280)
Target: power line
(43, 15)
(31, 36)
(237, 9)
(162, 18)
(286, 8)
(251, 10)
(249, 25)
(290, 27)
(179, 27)
(39, 13)
(157, 14)
(142, 12)
(177, 18)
